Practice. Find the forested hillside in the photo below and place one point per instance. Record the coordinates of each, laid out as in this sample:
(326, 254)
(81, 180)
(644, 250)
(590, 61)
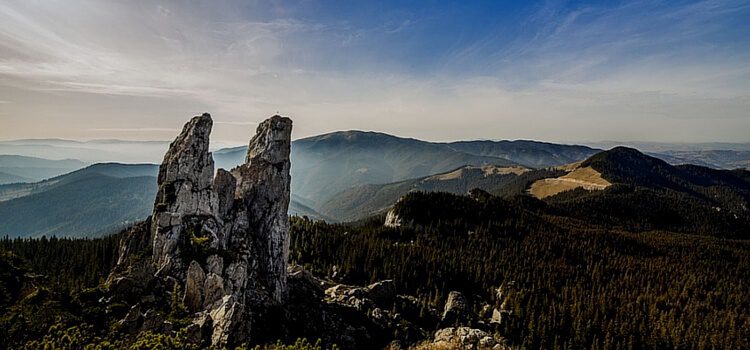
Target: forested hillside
(362, 201)
(569, 283)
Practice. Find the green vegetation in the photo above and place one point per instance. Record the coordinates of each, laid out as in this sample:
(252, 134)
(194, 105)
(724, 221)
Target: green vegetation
(575, 284)
(93, 205)
(646, 263)
(64, 264)
(362, 201)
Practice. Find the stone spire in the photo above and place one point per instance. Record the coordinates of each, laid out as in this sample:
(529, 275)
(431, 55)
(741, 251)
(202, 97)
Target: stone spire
(224, 239)
(263, 190)
(185, 178)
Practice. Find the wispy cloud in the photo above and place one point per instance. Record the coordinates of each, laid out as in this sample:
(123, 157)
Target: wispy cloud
(235, 123)
(551, 72)
(128, 130)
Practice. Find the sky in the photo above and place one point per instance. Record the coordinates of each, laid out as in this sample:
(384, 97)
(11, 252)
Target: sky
(570, 71)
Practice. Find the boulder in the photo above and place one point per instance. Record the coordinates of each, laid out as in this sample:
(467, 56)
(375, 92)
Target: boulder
(456, 310)
(194, 282)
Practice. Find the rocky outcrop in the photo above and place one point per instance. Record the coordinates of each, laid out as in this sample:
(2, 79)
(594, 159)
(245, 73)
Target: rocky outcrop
(467, 338)
(392, 219)
(185, 197)
(221, 241)
(456, 310)
(215, 251)
(261, 203)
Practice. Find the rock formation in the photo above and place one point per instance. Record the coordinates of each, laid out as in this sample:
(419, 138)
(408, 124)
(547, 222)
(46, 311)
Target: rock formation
(222, 241)
(456, 310)
(210, 264)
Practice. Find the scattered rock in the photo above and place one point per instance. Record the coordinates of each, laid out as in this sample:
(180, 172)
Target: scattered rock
(467, 338)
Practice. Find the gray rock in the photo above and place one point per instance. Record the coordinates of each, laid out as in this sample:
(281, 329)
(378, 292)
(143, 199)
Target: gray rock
(224, 239)
(194, 283)
(463, 338)
(213, 289)
(185, 179)
(131, 323)
(200, 331)
(215, 264)
(261, 212)
(382, 292)
(392, 219)
(456, 310)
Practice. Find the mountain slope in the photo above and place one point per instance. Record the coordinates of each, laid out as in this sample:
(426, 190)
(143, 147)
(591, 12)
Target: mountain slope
(324, 165)
(89, 205)
(647, 193)
(116, 170)
(362, 201)
(6, 178)
(14, 168)
(91, 201)
(533, 154)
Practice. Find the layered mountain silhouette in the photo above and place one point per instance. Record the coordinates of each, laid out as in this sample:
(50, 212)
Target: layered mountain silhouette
(18, 169)
(93, 201)
(351, 175)
(327, 164)
(366, 200)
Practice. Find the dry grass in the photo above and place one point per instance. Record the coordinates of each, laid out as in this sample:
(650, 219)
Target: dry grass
(586, 178)
(448, 176)
(488, 170)
(492, 170)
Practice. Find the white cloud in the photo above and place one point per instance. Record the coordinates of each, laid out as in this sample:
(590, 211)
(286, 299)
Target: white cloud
(589, 74)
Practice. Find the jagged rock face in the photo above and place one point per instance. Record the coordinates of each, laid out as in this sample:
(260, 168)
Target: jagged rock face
(262, 193)
(185, 191)
(223, 240)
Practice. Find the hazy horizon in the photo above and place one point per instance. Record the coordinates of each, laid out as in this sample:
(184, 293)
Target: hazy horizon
(568, 72)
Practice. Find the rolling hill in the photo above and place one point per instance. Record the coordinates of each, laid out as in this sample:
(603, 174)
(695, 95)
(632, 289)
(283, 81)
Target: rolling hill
(532, 154)
(16, 169)
(365, 200)
(92, 201)
(640, 192)
(325, 165)
(96, 200)
(115, 170)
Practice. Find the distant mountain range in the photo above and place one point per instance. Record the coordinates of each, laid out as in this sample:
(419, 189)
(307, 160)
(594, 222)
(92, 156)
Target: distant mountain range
(14, 168)
(96, 200)
(325, 165)
(365, 200)
(636, 193)
(339, 176)
(96, 151)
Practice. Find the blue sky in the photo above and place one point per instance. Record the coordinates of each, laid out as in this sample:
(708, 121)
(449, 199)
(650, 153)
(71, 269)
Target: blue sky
(674, 71)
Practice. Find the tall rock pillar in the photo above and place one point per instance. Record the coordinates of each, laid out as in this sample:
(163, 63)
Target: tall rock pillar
(263, 192)
(185, 198)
